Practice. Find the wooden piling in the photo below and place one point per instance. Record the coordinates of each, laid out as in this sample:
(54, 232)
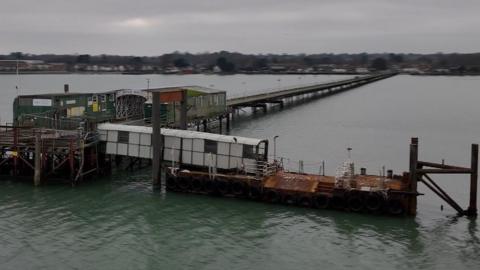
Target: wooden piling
(472, 208)
(204, 123)
(183, 110)
(228, 122)
(38, 163)
(413, 175)
(220, 122)
(156, 141)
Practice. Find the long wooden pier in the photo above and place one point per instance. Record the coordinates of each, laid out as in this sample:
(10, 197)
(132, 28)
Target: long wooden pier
(260, 100)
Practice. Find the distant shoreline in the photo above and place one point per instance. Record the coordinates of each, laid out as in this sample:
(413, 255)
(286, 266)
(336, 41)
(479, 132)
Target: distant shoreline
(222, 74)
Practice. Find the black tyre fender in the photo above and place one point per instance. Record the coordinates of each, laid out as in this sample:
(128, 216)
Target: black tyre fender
(395, 207)
(321, 201)
(197, 184)
(374, 202)
(209, 186)
(255, 193)
(290, 199)
(271, 196)
(184, 183)
(239, 188)
(305, 201)
(355, 202)
(171, 182)
(223, 187)
(338, 202)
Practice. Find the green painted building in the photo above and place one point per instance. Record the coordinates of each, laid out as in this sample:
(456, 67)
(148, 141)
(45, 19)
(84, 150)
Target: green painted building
(203, 103)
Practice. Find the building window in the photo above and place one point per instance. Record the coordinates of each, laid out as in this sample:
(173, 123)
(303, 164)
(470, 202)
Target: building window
(111, 97)
(123, 136)
(249, 151)
(94, 98)
(210, 146)
(103, 98)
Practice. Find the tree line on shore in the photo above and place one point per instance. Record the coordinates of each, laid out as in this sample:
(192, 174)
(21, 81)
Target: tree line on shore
(238, 62)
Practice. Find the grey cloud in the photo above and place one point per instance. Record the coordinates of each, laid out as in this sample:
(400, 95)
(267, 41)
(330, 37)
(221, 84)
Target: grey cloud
(151, 27)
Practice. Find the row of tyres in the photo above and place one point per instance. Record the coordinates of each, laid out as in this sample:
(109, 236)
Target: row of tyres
(353, 200)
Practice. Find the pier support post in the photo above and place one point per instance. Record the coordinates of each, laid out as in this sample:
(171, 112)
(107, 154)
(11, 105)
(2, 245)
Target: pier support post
(220, 123)
(228, 122)
(204, 122)
(472, 208)
(183, 110)
(413, 174)
(38, 164)
(157, 141)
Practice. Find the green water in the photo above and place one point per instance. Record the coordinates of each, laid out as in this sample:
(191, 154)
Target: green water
(119, 222)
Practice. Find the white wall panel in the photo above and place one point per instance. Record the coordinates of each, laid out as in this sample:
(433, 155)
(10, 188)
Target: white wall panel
(223, 148)
(169, 154)
(145, 139)
(235, 162)
(172, 142)
(210, 159)
(187, 157)
(222, 162)
(133, 150)
(198, 145)
(111, 148)
(112, 136)
(134, 138)
(187, 144)
(144, 151)
(197, 159)
(122, 149)
(236, 149)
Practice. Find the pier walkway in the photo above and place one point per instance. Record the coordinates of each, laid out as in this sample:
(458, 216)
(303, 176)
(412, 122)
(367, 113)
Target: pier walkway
(260, 100)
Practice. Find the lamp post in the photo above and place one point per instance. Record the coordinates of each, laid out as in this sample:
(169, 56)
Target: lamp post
(275, 147)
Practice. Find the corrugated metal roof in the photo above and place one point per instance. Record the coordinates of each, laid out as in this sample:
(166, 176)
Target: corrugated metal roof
(182, 133)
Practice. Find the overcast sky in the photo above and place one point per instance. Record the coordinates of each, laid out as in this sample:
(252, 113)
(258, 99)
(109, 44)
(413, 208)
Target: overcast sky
(154, 27)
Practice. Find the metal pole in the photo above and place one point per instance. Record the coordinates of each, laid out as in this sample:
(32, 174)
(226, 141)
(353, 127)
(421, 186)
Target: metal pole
(472, 208)
(38, 163)
(275, 147)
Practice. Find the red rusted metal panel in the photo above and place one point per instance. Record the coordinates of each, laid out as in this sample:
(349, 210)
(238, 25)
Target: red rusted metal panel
(171, 96)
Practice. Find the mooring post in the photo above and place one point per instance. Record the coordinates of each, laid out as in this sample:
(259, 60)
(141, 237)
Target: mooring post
(38, 163)
(413, 174)
(472, 208)
(183, 110)
(156, 141)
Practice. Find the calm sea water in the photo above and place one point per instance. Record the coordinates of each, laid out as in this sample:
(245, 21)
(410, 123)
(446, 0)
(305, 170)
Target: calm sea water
(118, 222)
